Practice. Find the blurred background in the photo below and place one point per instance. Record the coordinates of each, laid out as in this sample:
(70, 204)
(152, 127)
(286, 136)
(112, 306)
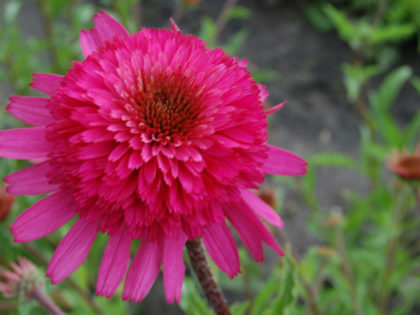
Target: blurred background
(349, 70)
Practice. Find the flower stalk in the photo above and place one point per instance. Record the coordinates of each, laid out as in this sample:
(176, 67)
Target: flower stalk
(310, 292)
(73, 284)
(347, 269)
(38, 295)
(208, 284)
(393, 245)
(25, 280)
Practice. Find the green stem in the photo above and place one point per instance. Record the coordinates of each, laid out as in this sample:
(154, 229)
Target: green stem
(347, 270)
(310, 292)
(417, 195)
(223, 17)
(49, 33)
(86, 296)
(43, 299)
(392, 247)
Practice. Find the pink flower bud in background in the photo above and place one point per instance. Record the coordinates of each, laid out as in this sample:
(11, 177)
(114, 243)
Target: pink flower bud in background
(404, 164)
(23, 278)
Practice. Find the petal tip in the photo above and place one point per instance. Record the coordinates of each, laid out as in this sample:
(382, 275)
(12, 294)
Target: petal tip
(283, 162)
(17, 238)
(275, 108)
(50, 274)
(174, 26)
(54, 281)
(103, 292)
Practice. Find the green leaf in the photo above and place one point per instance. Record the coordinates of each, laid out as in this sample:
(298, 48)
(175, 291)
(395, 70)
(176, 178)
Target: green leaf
(114, 305)
(391, 88)
(383, 99)
(208, 30)
(285, 296)
(386, 57)
(332, 159)
(370, 167)
(355, 76)
(411, 133)
(389, 129)
(240, 308)
(415, 81)
(308, 188)
(264, 76)
(264, 297)
(392, 33)
(236, 41)
(317, 17)
(192, 303)
(238, 12)
(81, 276)
(377, 151)
(11, 11)
(82, 17)
(344, 26)
(26, 307)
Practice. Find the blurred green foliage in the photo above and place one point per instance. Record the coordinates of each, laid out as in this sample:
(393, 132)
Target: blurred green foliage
(366, 259)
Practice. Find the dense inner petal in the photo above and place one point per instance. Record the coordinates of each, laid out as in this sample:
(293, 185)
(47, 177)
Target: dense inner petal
(157, 134)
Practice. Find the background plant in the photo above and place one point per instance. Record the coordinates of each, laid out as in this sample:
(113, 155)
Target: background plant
(366, 256)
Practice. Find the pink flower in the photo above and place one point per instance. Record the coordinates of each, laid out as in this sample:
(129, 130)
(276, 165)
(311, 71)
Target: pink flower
(151, 137)
(404, 164)
(24, 277)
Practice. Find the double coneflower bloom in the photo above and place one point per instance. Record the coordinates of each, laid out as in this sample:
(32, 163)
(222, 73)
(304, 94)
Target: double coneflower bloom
(152, 137)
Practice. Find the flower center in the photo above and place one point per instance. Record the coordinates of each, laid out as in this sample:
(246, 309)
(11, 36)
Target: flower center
(167, 108)
(410, 163)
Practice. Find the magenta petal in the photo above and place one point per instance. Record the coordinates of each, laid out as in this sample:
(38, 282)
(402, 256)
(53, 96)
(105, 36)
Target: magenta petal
(89, 41)
(261, 208)
(114, 263)
(47, 83)
(105, 29)
(24, 143)
(72, 250)
(251, 231)
(274, 109)
(221, 247)
(283, 162)
(173, 268)
(263, 92)
(244, 64)
(30, 181)
(108, 27)
(247, 233)
(174, 26)
(31, 110)
(143, 271)
(44, 217)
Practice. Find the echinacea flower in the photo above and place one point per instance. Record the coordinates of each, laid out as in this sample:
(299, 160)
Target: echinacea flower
(152, 137)
(23, 278)
(404, 164)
